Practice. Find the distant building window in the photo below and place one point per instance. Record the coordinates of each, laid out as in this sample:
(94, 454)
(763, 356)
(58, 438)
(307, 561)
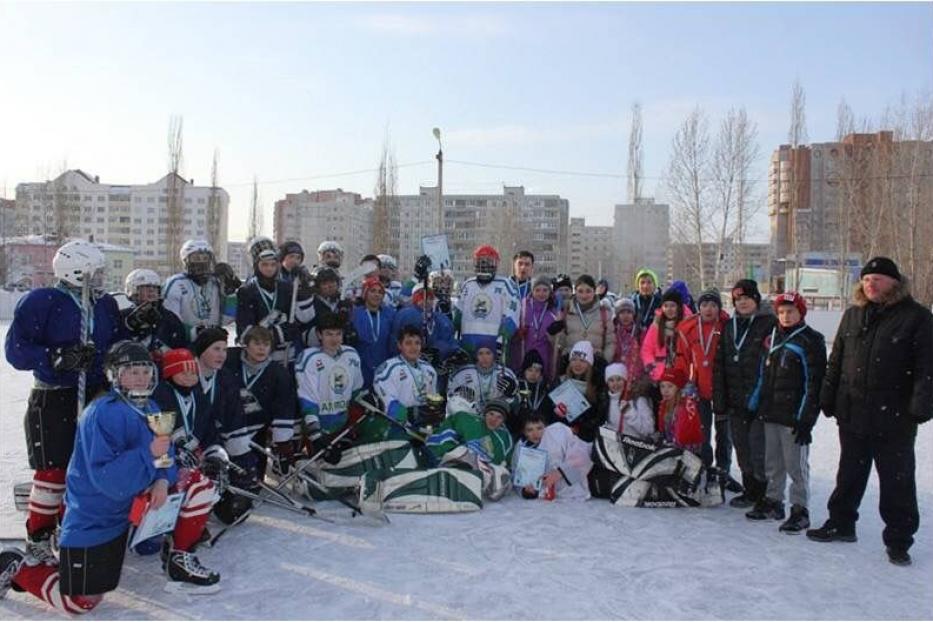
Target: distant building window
(118, 263)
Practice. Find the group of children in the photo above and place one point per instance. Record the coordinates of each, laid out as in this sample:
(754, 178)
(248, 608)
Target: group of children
(521, 362)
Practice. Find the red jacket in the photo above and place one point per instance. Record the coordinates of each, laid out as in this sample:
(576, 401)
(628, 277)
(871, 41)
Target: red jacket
(690, 358)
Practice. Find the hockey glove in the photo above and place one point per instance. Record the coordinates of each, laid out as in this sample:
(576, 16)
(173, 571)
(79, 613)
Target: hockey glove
(457, 359)
(466, 393)
(432, 356)
(73, 358)
(507, 386)
(230, 282)
(556, 327)
(144, 317)
(422, 267)
(285, 452)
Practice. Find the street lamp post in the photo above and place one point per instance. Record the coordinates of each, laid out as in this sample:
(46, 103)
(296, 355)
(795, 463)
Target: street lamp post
(440, 181)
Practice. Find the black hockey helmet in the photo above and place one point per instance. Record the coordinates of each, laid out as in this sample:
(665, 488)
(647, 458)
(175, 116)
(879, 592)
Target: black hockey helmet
(128, 353)
(291, 248)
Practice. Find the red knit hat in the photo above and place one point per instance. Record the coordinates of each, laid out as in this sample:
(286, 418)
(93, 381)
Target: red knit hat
(791, 298)
(370, 282)
(418, 293)
(674, 376)
(178, 361)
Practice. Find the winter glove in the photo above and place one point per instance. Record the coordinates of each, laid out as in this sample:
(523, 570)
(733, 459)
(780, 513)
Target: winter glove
(422, 267)
(556, 327)
(73, 358)
(432, 356)
(334, 454)
(803, 434)
(229, 281)
(144, 317)
(245, 475)
(507, 386)
(306, 283)
(431, 413)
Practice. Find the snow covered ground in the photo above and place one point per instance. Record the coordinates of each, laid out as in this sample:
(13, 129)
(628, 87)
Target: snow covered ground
(523, 559)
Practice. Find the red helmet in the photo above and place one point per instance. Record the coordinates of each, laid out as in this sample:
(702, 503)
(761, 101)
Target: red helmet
(486, 251)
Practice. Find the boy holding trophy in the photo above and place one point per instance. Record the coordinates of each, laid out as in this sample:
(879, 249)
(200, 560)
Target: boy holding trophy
(122, 449)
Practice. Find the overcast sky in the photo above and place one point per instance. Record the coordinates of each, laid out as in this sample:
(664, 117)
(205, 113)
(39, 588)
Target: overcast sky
(295, 93)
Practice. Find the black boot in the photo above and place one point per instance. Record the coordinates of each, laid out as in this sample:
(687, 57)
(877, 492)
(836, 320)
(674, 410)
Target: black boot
(747, 498)
(766, 509)
(831, 532)
(731, 484)
(798, 521)
(899, 557)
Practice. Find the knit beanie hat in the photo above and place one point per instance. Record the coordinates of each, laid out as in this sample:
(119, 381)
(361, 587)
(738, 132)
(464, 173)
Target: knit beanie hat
(371, 282)
(624, 303)
(791, 298)
(532, 357)
(541, 280)
(497, 405)
(583, 350)
(746, 287)
(675, 376)
(881, 265)
(710, 295)
(178, 361)
(616, 369)
(207, 337)
(672, 295)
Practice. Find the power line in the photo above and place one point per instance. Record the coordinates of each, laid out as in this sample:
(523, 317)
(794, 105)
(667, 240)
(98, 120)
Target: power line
(327, 176)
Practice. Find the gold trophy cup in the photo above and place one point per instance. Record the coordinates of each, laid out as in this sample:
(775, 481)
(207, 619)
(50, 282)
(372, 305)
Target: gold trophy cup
(162, 424)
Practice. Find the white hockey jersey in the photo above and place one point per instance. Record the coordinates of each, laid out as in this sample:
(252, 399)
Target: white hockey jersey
(326, 386)
(482, 384)
(485, 310)
(196, 305)
(401, 384)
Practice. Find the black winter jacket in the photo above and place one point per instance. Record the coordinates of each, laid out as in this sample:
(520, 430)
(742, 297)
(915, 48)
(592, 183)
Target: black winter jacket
(880, 375)
(788, 390)
(252, 309)
(734, 381)
(269, 402)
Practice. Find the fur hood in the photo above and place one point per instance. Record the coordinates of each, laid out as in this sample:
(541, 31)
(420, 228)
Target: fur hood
(900, 292)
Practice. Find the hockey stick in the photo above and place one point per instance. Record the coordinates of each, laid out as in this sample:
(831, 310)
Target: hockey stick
(287, 479)
(376, 411)
(309, 480)
(82, 375)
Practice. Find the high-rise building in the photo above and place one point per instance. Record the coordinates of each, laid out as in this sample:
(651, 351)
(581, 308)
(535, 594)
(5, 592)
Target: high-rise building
(641, 236)
(78, 205)
(736, 261)
(592, 251)
(312, 217)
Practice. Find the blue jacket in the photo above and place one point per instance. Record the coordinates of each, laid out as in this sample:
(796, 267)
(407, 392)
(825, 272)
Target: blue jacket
(110, 465)
(374, 341)
(200, 424)
(50, 318)
(441, 337)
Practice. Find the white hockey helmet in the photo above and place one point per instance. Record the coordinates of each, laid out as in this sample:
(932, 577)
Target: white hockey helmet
(459, 404)
(140, 277)
(198, 257)
(329, 245)
(388, 262)
(76, 261)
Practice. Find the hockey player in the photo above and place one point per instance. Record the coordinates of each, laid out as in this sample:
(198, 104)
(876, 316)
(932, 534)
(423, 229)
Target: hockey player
(330, 254)
(196, 429)
(46, 338)
(487, 307)
(404, 383)
(326, 301)
(223, 394)
(388, 274)
(266, 301)
(267, 393)
(328, 378)
(523, 269)
(436, 328)
(372, 323)
(483, 435)
(291, 257)
(145, 319)
(113, 462)
(203, 295)
(484, 381)
(441, 282)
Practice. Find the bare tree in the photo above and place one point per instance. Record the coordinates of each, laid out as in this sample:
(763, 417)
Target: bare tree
(687, 185)
(796, 136)
(385, 206)
(843, 179)
(734, 154)
(175, 190)
(635, 156)
(255, 211)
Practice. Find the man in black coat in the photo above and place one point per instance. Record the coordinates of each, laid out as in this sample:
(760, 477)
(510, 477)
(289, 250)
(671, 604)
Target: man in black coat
(879, 387)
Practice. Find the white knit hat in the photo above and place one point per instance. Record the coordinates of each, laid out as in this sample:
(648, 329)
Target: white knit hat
(584, 350)
(617, 369)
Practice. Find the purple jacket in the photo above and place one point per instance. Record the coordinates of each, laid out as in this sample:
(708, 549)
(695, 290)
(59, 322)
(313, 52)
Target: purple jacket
(535, 318)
